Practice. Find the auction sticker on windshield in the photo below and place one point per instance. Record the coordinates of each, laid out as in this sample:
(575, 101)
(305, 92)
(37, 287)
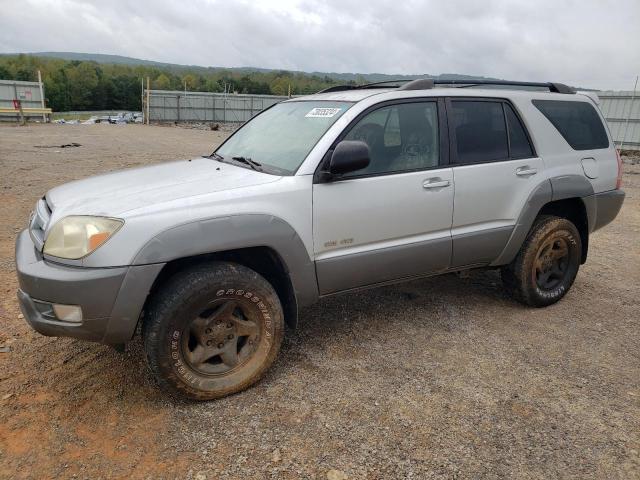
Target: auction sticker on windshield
(322, 112)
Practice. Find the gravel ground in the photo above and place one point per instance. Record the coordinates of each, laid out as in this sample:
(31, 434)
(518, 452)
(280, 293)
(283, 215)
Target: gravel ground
(438, 378)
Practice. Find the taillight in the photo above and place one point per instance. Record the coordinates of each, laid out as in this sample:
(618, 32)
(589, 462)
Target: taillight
(619, 179)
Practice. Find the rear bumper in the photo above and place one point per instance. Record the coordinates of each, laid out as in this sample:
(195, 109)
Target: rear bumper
(111, 299)
(607, 206)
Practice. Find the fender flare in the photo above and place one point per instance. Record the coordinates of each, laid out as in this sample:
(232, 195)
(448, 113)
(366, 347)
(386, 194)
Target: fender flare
(552, 189)
(576, 186)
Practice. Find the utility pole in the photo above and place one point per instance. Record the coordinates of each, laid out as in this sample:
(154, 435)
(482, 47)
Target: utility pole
(142, 98)
(44, 115)
(147, 100)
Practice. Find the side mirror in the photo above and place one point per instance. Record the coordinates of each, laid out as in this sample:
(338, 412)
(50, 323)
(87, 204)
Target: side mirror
(349, 156)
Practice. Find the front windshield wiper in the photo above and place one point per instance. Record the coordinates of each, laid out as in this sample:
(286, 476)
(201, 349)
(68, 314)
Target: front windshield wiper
(252, 163)
(216, 156)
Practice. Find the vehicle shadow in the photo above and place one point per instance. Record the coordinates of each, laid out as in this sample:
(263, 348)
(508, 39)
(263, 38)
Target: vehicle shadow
(421, 307)
(431, 304)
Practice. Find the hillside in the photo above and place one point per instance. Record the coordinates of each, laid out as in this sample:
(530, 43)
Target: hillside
(90, 81)
(342, 76)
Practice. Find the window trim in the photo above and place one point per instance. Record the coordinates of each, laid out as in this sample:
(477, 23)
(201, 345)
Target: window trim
(443, 140)
(453, 148)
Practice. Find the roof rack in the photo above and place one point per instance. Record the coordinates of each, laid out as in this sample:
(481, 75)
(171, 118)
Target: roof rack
(552, 86)
(429, 83)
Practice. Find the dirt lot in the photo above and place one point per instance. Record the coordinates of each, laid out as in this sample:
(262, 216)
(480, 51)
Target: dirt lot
(438, 378)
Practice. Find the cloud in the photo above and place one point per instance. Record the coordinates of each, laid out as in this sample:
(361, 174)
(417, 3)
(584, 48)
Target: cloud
(591, 43)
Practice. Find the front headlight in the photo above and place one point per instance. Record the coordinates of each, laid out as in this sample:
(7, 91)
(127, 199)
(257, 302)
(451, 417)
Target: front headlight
(77, 236)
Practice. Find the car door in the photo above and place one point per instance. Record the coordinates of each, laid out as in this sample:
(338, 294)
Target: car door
(495, 170)
(392, 219)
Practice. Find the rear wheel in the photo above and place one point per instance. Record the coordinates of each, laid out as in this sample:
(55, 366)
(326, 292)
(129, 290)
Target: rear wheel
(213, 330)
(547, 264)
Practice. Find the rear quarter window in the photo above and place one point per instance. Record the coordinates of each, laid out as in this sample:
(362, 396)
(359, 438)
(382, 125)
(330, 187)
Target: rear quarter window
(577, 122)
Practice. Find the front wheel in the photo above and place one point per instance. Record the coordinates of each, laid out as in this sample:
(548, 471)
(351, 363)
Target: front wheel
(213, 330)
(547, 264)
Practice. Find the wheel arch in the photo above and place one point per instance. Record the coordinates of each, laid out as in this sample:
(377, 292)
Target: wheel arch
(262, 242)
(574, 210)
(263, 260)
(567, 196)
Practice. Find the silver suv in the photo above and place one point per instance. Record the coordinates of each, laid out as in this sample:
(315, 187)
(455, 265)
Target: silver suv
(350, 188)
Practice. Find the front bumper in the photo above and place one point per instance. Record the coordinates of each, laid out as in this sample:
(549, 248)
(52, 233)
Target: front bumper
(111, 298)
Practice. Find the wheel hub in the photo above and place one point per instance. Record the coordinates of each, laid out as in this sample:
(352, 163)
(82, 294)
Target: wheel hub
(220, 334)
(220, 338)
(551, 264)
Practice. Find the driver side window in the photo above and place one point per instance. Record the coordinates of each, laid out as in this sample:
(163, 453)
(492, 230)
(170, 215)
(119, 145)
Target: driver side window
(401, 137)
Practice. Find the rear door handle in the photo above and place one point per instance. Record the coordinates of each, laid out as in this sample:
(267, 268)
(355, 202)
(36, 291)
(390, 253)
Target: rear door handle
(526, 171)
(435, 183)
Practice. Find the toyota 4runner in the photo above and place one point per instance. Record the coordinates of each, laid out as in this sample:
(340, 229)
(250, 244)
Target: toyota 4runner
(350, 188)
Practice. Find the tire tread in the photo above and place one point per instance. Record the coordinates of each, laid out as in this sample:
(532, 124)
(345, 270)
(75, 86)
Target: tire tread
(174, 296)
(515, 275)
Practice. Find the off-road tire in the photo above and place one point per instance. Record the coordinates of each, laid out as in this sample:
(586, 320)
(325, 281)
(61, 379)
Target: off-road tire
(520, 276)
(169, 322)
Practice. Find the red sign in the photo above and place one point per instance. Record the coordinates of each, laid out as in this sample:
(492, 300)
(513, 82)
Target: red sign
(16, 104)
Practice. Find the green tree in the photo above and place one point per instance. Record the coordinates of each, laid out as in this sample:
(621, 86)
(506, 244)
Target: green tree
(82, 80)
(162, 82)
(280, 86)
(190, 81)
(25, 74)
(5, 74)
(56, 89)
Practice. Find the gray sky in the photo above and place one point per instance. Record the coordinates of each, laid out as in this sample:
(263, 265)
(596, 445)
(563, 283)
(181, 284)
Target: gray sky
(591, 43)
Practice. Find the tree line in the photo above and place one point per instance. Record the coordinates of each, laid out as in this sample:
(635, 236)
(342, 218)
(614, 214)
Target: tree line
(88, 85)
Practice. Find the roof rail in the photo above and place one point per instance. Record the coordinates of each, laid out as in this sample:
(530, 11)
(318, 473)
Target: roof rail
(561, 88)
(553, 87)
(429, 83)
(337, 88)
(418, 84)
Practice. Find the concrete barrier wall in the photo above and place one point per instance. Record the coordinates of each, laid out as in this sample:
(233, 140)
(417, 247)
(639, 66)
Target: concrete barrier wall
(177, 106)
(27, 92)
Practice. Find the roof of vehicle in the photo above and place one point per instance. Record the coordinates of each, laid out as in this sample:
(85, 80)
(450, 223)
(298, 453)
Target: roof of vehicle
(358, 95)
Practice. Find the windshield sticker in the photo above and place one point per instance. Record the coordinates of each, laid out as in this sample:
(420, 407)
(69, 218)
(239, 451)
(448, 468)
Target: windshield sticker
(322, 112)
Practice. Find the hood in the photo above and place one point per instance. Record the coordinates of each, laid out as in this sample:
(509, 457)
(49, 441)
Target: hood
(114, 193)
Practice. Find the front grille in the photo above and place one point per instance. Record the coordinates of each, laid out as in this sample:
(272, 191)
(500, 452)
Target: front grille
(39, 222)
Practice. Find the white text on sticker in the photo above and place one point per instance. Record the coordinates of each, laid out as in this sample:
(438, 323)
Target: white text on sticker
(322, 112)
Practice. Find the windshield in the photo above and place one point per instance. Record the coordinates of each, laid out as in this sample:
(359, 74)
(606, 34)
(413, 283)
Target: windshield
(280, 138)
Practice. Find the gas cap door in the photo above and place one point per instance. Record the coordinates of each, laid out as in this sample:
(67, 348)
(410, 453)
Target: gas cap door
(590, 167)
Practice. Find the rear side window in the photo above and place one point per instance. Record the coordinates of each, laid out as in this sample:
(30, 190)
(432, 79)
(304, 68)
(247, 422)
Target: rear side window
(577, 122)
(480, 130)
(518, 140)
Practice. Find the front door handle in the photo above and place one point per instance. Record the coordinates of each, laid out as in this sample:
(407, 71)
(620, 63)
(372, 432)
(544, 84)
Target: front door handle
(435, 183)
(526, 171)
